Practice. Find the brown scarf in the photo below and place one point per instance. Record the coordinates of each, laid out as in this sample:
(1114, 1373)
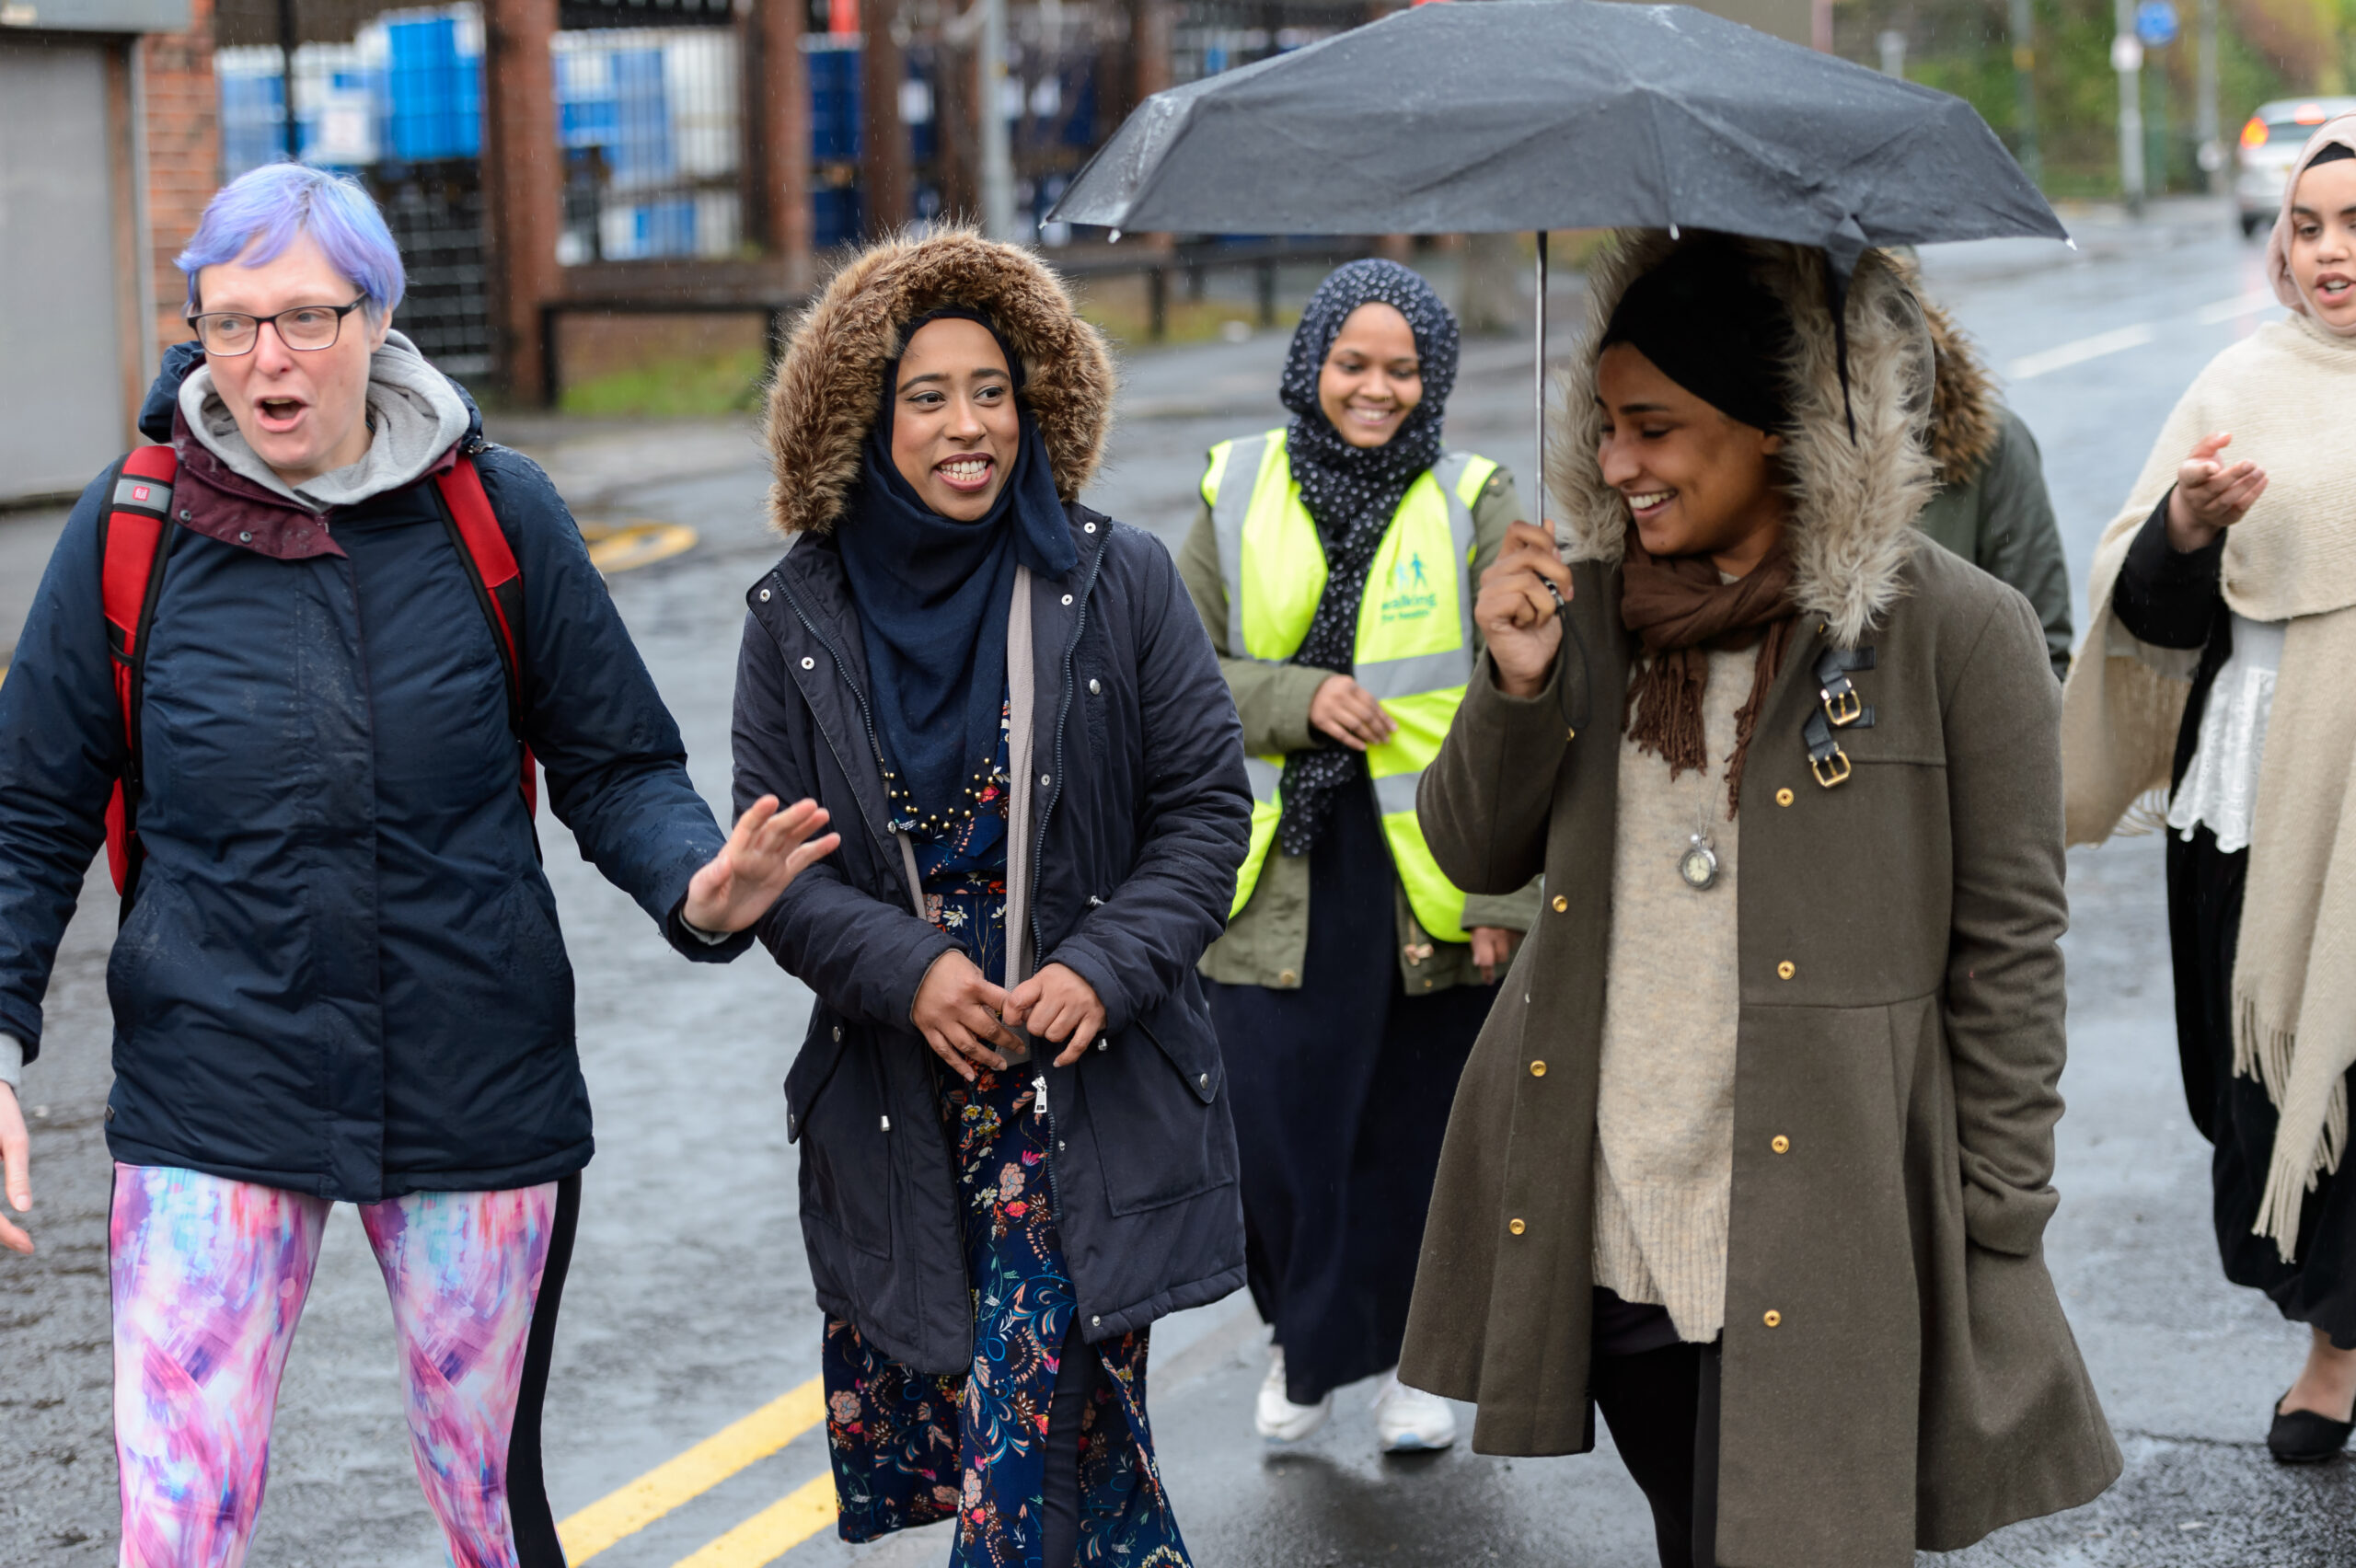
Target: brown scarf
(1680, 611)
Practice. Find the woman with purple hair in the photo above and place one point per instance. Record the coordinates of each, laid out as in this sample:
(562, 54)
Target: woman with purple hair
(339, 975)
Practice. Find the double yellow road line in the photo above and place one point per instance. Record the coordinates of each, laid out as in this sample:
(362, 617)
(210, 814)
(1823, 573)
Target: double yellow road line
(763, 1539)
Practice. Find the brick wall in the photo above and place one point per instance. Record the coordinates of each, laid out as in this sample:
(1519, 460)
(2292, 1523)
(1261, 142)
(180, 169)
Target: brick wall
(183, 154)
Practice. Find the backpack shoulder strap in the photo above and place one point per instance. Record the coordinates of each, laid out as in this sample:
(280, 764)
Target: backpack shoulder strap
(134, 535)
(499, 588)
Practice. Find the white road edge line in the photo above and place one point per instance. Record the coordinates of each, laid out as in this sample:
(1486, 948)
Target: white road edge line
(2028, 367)
(2233, 309)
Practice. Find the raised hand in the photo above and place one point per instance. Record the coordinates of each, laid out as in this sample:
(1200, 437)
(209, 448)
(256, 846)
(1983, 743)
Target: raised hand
(1516, 613)
(16, 1163)
(769, 849)
(2211, 495)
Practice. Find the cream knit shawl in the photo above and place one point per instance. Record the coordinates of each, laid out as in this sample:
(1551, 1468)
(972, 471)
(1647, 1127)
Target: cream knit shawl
(2285, 393)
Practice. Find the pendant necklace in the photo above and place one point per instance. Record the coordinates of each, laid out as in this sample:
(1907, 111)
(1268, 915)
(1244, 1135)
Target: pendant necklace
(1698, 867)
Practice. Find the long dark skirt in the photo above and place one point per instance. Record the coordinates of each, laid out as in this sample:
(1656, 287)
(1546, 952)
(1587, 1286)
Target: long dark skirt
(2318, 1287)
(1341, 1091)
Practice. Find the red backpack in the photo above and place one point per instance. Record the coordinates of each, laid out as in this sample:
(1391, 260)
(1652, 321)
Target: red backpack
(133, 539)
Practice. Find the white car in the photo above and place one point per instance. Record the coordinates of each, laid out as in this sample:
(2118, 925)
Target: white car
(2271, 142)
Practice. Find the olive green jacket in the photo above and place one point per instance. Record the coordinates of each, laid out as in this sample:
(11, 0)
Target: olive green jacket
(1897, 1371)
(2001, 520)
(1267, 942)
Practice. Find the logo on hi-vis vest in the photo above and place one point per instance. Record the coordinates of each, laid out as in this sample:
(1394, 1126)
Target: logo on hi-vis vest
(1409, 596)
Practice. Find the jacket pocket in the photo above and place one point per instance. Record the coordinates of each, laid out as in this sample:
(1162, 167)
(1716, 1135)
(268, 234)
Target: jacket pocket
(158, 962)
(1155, 1107)
(835, 1112)
(537, 963)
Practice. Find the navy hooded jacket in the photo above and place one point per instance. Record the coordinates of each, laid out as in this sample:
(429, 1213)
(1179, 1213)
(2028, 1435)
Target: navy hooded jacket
(341, 972)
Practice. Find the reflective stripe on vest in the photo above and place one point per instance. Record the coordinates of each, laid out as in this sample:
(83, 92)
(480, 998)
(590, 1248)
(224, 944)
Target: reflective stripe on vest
(1414, 649)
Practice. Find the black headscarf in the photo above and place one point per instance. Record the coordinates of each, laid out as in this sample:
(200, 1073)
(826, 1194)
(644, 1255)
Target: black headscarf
(1706, 322)
(932, 594)
(1351, 493)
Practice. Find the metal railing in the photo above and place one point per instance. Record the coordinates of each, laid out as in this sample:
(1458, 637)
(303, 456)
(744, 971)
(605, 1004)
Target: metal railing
(1186, 264)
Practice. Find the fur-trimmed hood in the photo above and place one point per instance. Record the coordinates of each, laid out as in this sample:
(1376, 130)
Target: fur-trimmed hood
(829, 384)
(1855, 500)
(1964, 419)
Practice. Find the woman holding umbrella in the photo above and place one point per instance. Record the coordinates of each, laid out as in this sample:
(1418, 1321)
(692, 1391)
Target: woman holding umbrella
(1755, 1151)
(1015, 1147)
(2224, 623)
(1333, 562)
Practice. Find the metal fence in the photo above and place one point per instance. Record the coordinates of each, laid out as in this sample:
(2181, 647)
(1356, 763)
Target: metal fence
(650, 111)
(399, 106)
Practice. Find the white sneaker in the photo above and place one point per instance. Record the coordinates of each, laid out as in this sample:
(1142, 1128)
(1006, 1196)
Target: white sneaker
(1409, 1421)
(1279, 1420)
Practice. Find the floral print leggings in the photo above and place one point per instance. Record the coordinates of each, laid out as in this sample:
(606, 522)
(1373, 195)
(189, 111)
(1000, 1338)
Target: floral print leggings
(209, 1280)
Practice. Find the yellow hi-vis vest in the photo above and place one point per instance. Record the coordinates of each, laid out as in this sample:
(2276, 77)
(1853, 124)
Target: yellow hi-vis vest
(1415, 641)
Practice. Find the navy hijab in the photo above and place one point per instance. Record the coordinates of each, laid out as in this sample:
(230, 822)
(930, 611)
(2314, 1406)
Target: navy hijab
(932, 594)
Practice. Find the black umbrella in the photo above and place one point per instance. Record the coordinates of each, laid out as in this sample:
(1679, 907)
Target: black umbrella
(1488, 115)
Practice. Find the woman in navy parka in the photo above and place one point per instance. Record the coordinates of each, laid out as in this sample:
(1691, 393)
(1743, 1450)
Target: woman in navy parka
(1009, 705)
(339, 974)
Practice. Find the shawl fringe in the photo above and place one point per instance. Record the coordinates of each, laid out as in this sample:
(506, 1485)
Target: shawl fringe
(2264, 1051)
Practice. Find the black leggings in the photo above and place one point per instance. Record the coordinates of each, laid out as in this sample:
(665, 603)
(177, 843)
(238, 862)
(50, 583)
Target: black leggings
(1662, 1407)
(1076, 1379)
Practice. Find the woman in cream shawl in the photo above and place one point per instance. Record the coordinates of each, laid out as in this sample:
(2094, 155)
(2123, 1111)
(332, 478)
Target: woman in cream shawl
(2216, 669)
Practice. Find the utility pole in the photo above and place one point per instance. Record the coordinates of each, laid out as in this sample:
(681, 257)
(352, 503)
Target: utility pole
(286, 43)
(883, 135)
(2024, 25)
(2126, 59)
(2205, 126)
(997, 158)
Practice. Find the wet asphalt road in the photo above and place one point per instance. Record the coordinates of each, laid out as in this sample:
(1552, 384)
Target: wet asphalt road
(688, 1304)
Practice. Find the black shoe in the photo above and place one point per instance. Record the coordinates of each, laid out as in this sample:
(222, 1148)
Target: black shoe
(2302, 1437)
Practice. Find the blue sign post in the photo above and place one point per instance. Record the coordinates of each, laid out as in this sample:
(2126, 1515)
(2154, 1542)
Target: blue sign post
(2156, 23)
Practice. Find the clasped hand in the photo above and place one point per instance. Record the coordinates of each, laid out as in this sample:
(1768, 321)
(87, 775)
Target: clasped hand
(964, 1018)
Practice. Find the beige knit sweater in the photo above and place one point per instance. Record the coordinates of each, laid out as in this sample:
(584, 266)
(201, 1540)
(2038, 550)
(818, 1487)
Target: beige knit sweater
(1664, 1150)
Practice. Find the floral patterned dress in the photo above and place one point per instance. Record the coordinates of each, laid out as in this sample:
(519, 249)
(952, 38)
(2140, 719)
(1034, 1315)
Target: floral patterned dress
(908, 1448)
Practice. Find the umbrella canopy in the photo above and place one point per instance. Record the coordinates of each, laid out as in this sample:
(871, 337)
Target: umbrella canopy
(1546, 114)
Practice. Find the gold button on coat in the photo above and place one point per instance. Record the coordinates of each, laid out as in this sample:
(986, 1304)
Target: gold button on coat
(1288, 978)
(1780, 1144)
(1785, 971)
(1515, 1226)
(1782, 797)
(1537, 1069)
(1773, 1318)
(1561, 904)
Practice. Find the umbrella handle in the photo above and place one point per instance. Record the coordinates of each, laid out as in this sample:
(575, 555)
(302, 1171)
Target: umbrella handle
(1541, 380)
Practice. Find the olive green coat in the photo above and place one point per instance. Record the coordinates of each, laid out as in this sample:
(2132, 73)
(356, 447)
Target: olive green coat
(1897, 1372)
(2000, 518)
(1267, 942)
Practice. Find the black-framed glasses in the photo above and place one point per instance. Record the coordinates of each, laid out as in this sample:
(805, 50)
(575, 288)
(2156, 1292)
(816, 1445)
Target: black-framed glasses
(309, 328)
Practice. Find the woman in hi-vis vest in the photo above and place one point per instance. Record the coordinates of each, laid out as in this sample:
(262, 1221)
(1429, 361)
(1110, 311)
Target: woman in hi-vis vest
(1335, 562)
